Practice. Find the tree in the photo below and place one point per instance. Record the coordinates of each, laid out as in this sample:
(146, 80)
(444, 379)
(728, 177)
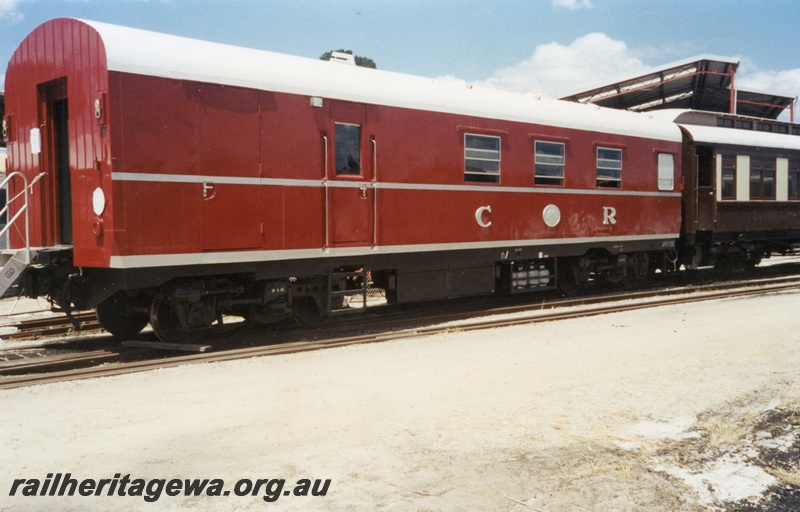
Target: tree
(364, 62)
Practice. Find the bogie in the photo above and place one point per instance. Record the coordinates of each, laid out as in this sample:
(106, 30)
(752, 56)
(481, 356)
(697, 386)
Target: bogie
(123, 316)
(179, 322)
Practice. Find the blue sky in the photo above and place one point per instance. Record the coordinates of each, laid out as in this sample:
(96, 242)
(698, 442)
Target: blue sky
(552, 46)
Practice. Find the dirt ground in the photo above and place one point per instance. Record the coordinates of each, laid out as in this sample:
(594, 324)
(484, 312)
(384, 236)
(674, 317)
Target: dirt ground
(682, 408)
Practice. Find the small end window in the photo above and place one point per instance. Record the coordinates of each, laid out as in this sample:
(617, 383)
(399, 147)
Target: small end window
(666, 171)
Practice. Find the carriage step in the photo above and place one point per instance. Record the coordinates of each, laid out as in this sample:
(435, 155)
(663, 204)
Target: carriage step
(11, 275)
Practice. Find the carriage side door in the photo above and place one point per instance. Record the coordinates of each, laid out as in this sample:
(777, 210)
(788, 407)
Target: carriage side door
(349, 197)
(705, 192)
(230, 167)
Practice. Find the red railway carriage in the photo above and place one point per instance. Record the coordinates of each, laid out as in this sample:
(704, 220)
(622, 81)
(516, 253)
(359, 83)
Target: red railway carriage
(172, 180)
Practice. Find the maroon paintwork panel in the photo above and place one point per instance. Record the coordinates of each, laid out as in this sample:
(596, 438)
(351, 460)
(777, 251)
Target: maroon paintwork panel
(760, 216)
(291, 146)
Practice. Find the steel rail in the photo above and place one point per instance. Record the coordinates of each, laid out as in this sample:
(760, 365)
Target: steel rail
(39, 363)
(385, 316)
(52, 326)
(536, 314)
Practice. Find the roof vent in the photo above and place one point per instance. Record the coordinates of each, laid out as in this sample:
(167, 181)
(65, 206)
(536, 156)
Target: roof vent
(344, 58)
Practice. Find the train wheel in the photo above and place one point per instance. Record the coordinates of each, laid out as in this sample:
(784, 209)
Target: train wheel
(567, 280)
(630, 281)
(309, 312)
(731, 264)
(121, 316)
(171, 324)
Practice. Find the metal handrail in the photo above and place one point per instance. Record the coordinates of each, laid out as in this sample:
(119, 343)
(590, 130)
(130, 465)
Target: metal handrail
(374, 193)
(327, 199)
(22, 211)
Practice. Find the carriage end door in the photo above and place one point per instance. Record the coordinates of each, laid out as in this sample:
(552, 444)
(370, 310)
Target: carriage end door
(54, 147)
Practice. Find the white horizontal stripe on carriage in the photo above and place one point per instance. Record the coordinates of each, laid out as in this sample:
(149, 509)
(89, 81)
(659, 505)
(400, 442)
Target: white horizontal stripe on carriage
(288, 182)
(216, 258)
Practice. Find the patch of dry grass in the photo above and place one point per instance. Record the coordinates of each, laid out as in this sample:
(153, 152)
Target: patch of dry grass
(789, 477)
(726, 431)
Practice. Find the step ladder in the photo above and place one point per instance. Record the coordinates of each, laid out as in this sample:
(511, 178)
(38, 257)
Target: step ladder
(15, 262)
(337, 306)
(14, 266)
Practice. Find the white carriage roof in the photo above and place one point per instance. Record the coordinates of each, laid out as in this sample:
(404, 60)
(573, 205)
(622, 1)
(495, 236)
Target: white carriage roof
(709, 133)
(716, 135)
(148, 53)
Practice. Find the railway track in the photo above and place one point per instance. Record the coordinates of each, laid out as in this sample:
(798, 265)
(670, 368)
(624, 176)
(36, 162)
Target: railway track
(24, 365)
(54, 327)
(386, 328)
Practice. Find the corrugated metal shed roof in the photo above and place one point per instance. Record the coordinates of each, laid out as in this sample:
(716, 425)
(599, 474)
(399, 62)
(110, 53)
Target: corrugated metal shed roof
(700, 83)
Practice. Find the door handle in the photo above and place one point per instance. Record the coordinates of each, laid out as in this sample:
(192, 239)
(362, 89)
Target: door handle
(208, 190)
(363, 191)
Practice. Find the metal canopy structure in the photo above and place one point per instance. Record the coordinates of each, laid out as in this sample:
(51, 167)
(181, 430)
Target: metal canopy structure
(700, 83)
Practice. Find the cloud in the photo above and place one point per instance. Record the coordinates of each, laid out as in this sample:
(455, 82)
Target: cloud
(572, 5)
(8, 10)
(751, 78)
(596, 59)
(555, 69)
(785, 82)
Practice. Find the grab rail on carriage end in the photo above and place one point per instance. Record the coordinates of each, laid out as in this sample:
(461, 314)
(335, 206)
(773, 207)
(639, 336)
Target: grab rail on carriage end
(22, 212)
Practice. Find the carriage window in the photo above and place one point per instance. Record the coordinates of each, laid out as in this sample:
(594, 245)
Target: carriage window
(548, 163)
(794, 179)
(762, 178)
(481, 158)
(728, 177)
(666, 171)
(609, 167)
(348, 148)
